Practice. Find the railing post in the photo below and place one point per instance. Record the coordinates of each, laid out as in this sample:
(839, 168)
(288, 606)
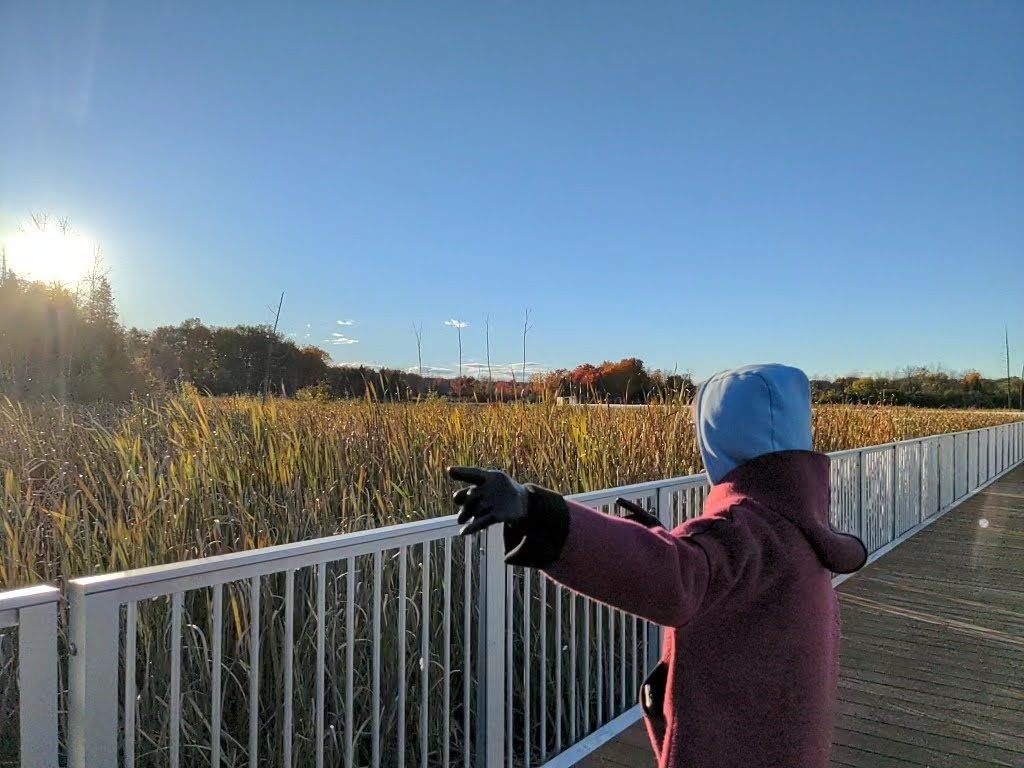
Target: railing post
(920, 481)
(939, 471)
(967, 485)
(37, 683)
(952, 472)
(990, 445)
(895, 493)
(861, 517)
(93, 679)
(491, 655)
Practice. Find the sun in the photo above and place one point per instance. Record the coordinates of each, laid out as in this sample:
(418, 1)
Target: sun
(50, 255)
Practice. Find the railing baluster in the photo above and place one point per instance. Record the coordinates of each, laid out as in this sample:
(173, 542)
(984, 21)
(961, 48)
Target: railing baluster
(447, 653)
(921, 480)
(403, 557)
(527, 665)
(467, 640)
(861, 517)
(254, 670)
(350, 645)
(636, 679)
(599, 635)
(425, 657)
(509, 637)
(894, 495)
(558, 668)
(586, 666)
(610, 688)
(496, 678)
(289, 664)
(216, 664)
(130, 631)
(543, 710)
(573, 681)
(622, 660)
(375, 695)
(175, 697)
(321, 661)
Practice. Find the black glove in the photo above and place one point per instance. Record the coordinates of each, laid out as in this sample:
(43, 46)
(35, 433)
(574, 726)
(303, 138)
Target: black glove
(536, 520)
(493, 497)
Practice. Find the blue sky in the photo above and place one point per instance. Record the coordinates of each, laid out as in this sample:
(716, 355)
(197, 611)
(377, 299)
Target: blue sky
(835, 185)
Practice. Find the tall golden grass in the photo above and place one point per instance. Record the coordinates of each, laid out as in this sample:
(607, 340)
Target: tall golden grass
(87, 490)
(91, 490)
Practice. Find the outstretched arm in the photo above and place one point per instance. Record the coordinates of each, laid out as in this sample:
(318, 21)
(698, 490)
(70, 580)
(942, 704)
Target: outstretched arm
(648, 572)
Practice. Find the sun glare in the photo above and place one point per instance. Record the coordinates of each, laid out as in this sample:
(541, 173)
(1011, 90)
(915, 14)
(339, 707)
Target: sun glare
(50, 255)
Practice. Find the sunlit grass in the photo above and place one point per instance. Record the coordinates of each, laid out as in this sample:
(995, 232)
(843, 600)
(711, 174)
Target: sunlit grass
(86, 491)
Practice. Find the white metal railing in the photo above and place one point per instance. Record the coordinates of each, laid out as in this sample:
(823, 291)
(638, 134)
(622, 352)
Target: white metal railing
(33, 613)
(406, 645)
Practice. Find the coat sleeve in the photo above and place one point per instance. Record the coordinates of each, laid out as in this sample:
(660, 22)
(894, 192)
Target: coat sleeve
(663, 576)
(648, 572)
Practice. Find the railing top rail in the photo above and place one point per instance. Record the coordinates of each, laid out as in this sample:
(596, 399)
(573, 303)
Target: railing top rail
(638, 489)
(925, 439)
(16, 599)
(323, 549)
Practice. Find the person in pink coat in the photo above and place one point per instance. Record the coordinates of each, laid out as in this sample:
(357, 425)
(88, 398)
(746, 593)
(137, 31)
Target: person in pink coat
(750, 667)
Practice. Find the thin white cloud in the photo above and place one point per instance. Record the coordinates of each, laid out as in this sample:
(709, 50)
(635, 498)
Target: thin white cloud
(346, 322)
(340, 339)
(509, 370)
(355, 364)
(429, 370)
(308, 325)
(499, 371)
(456, 323)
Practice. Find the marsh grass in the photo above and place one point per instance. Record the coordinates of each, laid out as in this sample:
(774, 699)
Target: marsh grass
(92, 490)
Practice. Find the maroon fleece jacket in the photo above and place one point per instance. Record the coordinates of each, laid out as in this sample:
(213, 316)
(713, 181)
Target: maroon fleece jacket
(751, 653)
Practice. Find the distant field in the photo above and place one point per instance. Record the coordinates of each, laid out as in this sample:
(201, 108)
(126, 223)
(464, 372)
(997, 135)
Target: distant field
(92, 490)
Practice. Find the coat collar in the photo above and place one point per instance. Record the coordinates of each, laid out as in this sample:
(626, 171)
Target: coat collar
(796, 486)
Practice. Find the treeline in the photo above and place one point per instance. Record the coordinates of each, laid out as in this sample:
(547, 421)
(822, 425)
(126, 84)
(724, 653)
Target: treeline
(924, 388)
(67, 344)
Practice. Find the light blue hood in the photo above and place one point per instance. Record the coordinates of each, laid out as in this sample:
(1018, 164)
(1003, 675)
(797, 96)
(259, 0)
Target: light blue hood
(748, 412)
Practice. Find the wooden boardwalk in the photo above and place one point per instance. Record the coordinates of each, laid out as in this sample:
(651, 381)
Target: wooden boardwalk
(933, 648)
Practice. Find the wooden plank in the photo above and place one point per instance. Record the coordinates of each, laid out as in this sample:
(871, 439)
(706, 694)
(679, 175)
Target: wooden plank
(619, 753)
(868, 724)
(992, 719)
(876, 629)
(855, 757)
(930, 726)
(927, 683)
(637, 736)
(888, 746)
(971, 675)
(890, 706)
(1003, 645)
